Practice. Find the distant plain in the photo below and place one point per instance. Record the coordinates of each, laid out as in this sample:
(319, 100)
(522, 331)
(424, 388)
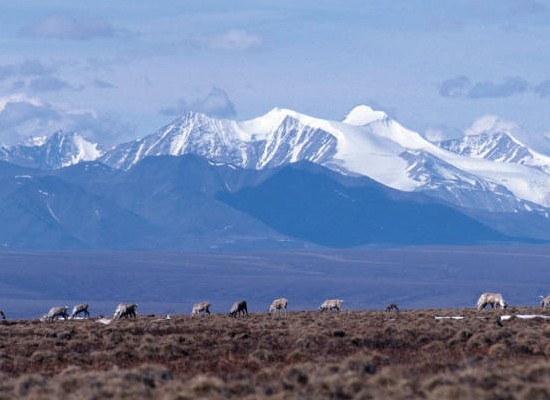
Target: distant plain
(366, 278)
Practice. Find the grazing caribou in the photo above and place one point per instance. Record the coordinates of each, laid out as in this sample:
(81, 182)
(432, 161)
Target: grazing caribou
(239, 307)
(2, 315)
(493, 299)
(545, 301)
(329, 305)
(278, 305)
(202, 307)
(80, 309)
(392, 307)
(55, 313)
(125, 310)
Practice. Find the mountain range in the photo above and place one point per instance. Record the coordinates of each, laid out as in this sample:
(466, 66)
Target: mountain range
(283, 179)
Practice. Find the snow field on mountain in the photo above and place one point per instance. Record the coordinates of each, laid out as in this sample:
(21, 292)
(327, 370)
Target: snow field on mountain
(374, 150)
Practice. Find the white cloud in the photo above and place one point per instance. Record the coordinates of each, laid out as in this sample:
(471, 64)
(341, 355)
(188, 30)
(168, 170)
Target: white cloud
(22, 116)
(491, 124)
(463, 86)
(434, 135)
(216, 104)
(442, 132)
(510, 86)
(17, 98)
(455, 87)
(235, 40)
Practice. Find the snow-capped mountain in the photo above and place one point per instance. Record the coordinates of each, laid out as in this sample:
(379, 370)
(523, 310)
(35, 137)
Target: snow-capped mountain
(442, 180)
(280, 137)
(489, 171)
(51, 152)
(367, 142)
(276, 179)
(497, 146)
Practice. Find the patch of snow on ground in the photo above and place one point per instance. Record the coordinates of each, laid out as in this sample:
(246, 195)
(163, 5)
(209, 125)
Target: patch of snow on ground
(523, 316)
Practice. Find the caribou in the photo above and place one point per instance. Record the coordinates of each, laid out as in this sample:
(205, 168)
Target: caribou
(493, 299)
(202, 307)
(329, 305)
(80, 309)
(2, 315)
(278, 305)
(55, 313)
(545, 301)
(125, 310)
(239, 308)
(392, 307)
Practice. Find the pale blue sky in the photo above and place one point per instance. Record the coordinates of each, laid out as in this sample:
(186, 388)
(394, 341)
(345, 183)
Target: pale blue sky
(117, 70)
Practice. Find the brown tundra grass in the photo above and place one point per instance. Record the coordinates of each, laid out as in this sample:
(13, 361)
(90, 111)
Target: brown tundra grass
(346, 355)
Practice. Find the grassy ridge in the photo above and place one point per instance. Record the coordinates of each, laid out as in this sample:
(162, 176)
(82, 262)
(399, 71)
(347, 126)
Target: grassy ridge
(357, 354)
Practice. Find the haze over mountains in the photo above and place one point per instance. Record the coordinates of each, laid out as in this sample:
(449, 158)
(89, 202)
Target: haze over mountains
(283, 179)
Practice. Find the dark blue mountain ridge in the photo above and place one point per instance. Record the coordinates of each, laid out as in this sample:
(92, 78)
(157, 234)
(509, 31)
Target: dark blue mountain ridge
(10, 169)
(41, 211)
(307, 201)
(191, 203)
(190, 183)
(179, 194)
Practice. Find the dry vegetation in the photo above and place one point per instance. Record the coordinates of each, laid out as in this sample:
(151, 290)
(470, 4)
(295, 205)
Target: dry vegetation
(363, 355)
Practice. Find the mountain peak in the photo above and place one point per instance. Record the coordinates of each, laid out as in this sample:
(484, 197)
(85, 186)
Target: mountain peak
(498, 146)
(364, 115)
(192, 116)
(55, 151)
(273, 119)
(500, 134)
(367, 143)
(278, 115)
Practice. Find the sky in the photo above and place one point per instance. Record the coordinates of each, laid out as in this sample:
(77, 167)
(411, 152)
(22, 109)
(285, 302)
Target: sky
(114, 71)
